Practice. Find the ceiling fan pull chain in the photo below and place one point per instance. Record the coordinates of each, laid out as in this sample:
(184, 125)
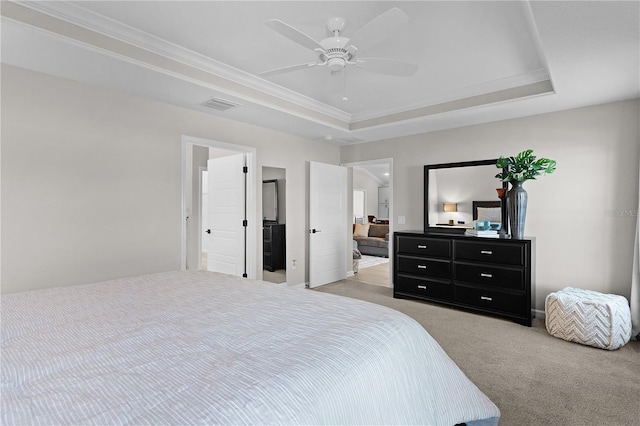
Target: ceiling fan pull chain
(345, 98)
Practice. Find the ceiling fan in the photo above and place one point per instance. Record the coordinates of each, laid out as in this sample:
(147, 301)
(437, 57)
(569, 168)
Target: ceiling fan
(338, 52)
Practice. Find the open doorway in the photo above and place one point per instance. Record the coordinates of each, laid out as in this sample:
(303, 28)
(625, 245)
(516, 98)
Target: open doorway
(372, 211)
(196, 153)
(274, 219)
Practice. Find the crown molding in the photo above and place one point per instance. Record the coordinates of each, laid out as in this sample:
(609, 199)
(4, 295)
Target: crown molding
(541, 88)
(483, 89)
(86, 19)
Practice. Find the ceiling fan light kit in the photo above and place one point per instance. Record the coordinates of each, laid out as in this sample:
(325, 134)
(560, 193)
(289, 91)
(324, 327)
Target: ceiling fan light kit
(337, 52)
(336, 64)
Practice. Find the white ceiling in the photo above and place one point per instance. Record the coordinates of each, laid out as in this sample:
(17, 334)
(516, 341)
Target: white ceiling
(479, 61)
(379, 172)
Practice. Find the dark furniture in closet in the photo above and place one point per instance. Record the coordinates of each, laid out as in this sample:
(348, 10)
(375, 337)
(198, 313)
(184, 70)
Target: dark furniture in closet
(273, 247)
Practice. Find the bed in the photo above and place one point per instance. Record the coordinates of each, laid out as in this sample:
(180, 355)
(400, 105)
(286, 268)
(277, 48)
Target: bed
(206, 348)
(487, 210)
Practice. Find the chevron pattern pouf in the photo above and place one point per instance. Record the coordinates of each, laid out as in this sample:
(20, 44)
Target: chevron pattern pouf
(588, 317)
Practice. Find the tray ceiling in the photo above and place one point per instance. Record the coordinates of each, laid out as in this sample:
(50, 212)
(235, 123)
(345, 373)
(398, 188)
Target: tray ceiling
(479, 61)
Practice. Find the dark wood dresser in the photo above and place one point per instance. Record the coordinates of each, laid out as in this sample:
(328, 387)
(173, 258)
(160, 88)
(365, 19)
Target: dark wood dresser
(491, 275)
(273, 247)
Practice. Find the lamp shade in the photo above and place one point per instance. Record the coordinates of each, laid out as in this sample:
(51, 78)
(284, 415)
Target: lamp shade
(450, 207)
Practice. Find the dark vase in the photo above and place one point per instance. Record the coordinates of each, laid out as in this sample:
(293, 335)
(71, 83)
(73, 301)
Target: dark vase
(517, 207)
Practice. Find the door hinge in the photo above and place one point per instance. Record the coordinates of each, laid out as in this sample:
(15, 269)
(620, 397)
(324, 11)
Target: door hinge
(245, 223)
(245, 169)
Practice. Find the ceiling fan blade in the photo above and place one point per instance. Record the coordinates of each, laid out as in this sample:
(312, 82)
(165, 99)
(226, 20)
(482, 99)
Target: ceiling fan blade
(293, 34)
(388, 66)
(379, 29)
(289, 68)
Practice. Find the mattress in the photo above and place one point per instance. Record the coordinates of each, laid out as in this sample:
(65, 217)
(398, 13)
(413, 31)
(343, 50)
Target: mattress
(208, 348)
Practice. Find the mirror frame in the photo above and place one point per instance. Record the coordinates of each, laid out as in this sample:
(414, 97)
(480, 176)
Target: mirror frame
(275, 201)
(429, 167)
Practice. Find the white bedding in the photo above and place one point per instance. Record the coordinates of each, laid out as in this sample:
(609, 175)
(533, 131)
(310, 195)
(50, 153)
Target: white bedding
(206, 348)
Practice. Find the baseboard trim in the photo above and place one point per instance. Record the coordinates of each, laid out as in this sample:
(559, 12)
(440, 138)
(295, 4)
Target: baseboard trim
(539, 314)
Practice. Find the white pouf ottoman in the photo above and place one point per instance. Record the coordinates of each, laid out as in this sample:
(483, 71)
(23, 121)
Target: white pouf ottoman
(588, 317)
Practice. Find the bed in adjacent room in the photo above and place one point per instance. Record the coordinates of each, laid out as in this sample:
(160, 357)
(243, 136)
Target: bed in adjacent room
(206, 348)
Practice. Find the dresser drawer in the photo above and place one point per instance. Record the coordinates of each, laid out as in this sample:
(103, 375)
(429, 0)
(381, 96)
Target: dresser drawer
(493, 276)
(436, 268)
(493, 300)
(423, 287)
(421, 246)
(490, 252)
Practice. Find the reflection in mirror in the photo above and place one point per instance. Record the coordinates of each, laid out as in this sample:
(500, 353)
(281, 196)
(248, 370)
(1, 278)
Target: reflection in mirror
(270, 201)
(462, 184)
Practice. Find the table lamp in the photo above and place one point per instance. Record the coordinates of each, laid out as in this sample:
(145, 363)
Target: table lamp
(450, 208)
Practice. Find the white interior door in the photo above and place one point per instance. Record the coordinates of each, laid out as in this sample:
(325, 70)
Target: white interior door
(226, 203)
(328, 221)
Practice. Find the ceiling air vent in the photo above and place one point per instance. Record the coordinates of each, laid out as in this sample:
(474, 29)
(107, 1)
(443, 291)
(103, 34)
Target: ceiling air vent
(220, 104)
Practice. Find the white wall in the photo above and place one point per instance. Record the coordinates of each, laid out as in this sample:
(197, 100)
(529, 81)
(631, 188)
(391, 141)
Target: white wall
(579, 242)
(363, 180)
(91, 181)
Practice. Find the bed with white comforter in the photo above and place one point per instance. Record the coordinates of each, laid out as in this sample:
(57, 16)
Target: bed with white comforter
(204, 348)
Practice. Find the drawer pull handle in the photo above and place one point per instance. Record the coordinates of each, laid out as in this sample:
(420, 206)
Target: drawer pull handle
(486, 298)
(421, 246)
(486, 252)
(422, 266)
(486, 275)
(422, 287)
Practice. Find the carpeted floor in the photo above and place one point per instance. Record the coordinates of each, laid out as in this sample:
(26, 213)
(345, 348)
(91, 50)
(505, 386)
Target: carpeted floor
(533, 377)
(277, 277)
(377, 275)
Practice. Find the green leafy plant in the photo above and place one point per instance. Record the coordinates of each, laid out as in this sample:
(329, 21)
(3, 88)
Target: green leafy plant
(524, 166)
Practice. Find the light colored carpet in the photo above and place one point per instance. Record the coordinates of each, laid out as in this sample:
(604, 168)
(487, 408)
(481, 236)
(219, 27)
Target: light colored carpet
(377, 275)
(279, 276)
(533, 377)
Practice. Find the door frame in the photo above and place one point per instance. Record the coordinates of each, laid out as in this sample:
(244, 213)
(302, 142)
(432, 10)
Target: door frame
(280, 194)
(389, 162)
(201, 171)
(250, 195)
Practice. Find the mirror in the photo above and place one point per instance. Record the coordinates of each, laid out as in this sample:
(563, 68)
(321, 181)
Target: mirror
(463, 187)
(270, 201)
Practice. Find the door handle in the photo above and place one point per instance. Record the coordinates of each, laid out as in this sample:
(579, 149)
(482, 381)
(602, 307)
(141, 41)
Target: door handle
(314, 231)
(208, 231)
